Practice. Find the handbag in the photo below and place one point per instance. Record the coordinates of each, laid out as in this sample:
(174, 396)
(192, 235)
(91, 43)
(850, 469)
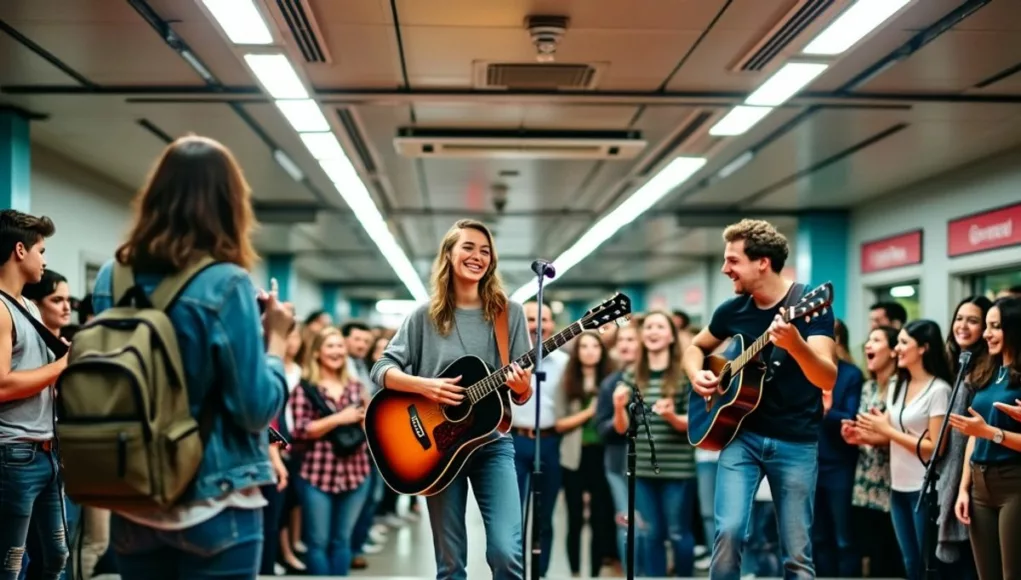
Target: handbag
(346, 439)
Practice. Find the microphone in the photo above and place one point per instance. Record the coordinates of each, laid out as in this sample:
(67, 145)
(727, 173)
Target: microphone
(964, 359)
(544, 268)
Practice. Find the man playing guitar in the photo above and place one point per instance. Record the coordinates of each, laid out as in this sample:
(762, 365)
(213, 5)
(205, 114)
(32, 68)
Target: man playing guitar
(779, 438)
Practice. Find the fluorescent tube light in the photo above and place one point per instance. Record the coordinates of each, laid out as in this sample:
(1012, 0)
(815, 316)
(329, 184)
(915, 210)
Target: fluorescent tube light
(853, 25)
(902, 291)
(304, 115)
(288, 165)
(352, 189)
(785, 83)
(738, 120)
(322, 145)
(240, 21)
(732, 167)
(276, 75)
(677, 172)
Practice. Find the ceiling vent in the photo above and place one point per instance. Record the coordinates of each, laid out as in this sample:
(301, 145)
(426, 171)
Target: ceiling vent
(546, 76)
(513, 144)
(786, 30)
(300, 20)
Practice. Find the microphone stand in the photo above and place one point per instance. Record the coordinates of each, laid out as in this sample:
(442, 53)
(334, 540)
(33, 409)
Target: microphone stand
(930, 495)
(543, 269)
(636, 412)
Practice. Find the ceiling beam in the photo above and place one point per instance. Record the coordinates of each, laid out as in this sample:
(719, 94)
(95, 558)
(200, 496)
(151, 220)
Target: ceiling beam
(402, 97)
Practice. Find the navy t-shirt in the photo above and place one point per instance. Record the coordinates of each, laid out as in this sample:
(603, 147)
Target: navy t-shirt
(791, 406)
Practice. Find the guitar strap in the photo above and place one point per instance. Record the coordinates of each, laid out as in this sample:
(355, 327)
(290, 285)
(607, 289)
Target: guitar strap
(776, 357)
(502, 336)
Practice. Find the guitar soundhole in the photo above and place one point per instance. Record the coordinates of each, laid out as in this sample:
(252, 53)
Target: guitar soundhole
(456, 413)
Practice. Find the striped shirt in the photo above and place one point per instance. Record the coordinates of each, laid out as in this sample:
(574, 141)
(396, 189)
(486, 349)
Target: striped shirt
(675, 456)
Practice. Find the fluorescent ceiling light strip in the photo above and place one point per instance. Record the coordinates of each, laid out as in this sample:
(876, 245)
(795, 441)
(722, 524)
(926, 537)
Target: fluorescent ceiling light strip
(357, 197)
(288, 165)
(240, 21)
(276, 75)
(785, 83)
(853, 25)
(323, 146)
(739, 120)
(677, 172)
(304, 115)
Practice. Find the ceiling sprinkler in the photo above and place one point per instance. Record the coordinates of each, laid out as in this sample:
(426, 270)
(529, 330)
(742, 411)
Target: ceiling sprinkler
(546, 33)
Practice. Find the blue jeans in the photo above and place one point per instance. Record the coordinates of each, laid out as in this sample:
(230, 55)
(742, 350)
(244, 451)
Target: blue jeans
(30, 498)
(791, 469)
(491, 472)
(225, 547)
(618, 490)
(328, 522)
(836, 555)
(666, 506)
(705, 473)
(367, 516)
(552, 478)
(909, 525)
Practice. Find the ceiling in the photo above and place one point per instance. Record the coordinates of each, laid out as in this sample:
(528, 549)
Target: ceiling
(938, 86)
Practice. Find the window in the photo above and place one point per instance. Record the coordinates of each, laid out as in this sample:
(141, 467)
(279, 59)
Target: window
(990, 284)
(905, 294)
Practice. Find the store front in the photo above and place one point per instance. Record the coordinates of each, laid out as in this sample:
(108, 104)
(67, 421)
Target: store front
(991, 238)
(889, 271)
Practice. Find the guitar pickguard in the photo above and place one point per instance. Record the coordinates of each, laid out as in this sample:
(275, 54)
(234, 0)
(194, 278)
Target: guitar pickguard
(450, 435)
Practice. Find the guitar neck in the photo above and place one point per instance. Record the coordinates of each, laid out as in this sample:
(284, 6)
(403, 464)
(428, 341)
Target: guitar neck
(749, 353)
(525, 361)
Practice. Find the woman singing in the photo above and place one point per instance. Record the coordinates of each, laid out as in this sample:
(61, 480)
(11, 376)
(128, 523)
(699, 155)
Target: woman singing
(467, 296)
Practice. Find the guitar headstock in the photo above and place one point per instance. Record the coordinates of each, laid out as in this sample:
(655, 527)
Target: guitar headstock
(812, 304)
(614, 309)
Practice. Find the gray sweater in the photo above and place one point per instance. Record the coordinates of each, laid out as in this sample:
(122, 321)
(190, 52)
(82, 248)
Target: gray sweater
(419, 350)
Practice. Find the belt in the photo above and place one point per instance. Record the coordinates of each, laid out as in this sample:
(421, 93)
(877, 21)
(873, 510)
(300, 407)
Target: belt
(530, 433)
(46, 445)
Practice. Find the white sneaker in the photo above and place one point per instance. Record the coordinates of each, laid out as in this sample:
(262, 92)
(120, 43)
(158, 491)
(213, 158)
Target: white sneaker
(394, 521)
(279, 570)
(371, 548)
(701, 551)
(300, 547)
(377, 536)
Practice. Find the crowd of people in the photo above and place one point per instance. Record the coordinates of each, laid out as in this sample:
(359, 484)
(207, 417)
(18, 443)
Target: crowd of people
(319, 506)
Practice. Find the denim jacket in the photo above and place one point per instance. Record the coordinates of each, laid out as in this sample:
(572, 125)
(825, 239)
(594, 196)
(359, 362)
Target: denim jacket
(219, 332)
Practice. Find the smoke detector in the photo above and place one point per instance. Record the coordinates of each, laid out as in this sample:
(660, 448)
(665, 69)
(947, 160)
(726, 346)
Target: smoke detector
(546, 33)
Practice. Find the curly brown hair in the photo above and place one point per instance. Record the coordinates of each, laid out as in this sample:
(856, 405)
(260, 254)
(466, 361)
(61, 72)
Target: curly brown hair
(761, 240)
(443, 302)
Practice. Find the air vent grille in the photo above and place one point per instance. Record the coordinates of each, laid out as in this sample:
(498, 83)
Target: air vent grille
(536, 76)
(793, 24)
(301, 22)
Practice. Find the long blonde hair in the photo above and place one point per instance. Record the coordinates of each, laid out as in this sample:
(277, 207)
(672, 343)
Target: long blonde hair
(311, 370)
(443, 301)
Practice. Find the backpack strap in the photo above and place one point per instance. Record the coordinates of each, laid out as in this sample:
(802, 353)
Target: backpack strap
(502, 336)
(125, 289)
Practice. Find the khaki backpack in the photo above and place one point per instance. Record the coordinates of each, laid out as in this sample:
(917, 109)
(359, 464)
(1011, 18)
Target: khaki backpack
(125, 431)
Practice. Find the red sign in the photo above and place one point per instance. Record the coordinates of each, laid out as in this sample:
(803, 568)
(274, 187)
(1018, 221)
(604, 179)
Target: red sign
(692, 296)
(985, 231)
(893, 252)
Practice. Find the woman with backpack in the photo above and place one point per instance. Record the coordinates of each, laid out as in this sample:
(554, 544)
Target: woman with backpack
(196, 204)
(328, 409)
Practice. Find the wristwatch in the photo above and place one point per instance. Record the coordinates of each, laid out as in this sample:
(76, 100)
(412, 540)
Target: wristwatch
(998, 436)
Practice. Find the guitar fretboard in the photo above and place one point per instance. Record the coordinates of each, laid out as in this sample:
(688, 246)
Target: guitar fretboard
(749, 353)
(525, 361)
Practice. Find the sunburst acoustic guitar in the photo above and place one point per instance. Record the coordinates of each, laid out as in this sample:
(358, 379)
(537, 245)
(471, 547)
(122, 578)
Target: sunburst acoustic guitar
(714, 421)
(420, 446)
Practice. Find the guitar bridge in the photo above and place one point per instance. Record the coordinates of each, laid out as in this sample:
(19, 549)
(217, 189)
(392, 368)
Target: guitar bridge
(417, 428)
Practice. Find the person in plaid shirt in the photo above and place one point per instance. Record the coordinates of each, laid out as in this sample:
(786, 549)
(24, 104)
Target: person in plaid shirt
(336, 486)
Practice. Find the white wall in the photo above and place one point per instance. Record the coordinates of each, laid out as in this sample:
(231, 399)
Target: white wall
(91, 214)
(930, 205)
(305, 295)
(689, 291)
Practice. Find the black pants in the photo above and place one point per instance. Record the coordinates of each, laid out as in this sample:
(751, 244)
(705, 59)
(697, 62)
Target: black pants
(271, 516)
(590, 477)
(996, 520)
(877, 543)
(387, 505)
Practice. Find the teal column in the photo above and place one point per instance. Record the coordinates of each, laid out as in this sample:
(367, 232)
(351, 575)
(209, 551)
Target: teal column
(821, 254)
(636, 292)
(281, 267)
(15, 161)
(331, 299)
(362, 309)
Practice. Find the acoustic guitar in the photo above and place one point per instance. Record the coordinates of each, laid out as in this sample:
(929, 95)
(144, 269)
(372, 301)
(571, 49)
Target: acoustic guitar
(420, 446)
(714, 421)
